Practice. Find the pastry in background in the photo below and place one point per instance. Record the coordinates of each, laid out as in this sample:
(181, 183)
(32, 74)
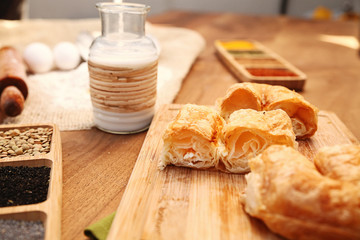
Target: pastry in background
(248, 132)
(191, 140)
(288, 193)
(302, 113)
(340, 162)
(240, 96)
(268, 97)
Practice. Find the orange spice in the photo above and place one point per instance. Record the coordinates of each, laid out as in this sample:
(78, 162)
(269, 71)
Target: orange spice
(271, 72)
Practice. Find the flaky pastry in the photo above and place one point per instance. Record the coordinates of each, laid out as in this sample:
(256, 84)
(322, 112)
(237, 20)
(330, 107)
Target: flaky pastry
(240, 96)
(302, 113)
(200, 138)
(287, 192)
(268, 97)
(248, 132)
(191, 140)
(340, 162)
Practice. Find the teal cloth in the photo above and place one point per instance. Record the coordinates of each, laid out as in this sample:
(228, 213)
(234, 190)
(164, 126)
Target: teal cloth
(100, 229)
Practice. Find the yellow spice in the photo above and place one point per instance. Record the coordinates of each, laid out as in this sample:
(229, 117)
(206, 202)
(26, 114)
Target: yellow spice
(238, 45)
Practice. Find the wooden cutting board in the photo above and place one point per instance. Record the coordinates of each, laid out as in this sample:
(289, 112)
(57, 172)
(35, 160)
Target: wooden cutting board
(183, 203)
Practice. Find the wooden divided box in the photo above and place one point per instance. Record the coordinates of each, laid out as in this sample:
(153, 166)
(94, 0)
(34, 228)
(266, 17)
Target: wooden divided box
(250, 61)
(30, 182)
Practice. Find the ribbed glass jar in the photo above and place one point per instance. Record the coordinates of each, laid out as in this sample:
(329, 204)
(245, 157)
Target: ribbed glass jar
(123, 70)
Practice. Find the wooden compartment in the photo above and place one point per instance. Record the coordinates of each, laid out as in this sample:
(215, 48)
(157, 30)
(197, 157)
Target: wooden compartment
(243, 56)
(32, 216)
(49, 210)
(184, 203)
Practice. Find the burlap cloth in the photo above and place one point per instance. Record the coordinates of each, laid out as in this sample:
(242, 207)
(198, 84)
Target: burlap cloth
(63, 97)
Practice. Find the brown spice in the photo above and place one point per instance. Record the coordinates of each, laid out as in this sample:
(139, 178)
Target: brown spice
(26, 141)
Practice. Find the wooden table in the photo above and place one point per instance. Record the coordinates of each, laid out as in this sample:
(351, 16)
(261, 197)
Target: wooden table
(97, 165)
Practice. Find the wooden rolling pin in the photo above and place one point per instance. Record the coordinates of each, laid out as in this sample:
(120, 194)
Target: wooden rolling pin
(13, 88)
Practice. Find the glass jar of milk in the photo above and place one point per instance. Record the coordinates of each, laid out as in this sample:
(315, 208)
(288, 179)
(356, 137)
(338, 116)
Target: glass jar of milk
(123, 70)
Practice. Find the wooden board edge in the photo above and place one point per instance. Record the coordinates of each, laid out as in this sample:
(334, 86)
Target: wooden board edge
(341, 126)
(53, 208)
(114, 230)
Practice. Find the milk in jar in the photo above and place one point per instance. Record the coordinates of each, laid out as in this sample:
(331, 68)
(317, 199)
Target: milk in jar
(123, 70)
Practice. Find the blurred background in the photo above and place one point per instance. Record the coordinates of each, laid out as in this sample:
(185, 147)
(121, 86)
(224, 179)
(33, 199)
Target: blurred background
(326, 9)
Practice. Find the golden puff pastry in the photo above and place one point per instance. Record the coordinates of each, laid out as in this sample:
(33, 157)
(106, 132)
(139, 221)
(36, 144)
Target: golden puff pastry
(302, 113)
(341, 162)
(191, 140)
(248, 132)
(268, 97)
(286, 191)
(240, 96)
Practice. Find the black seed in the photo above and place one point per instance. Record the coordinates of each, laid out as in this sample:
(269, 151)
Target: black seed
(23, 185)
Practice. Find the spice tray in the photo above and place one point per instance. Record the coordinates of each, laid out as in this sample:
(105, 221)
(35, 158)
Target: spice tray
(30, 182)
(250, 61)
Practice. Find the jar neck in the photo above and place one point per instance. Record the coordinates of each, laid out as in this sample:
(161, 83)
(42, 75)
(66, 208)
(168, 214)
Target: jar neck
(123, 18)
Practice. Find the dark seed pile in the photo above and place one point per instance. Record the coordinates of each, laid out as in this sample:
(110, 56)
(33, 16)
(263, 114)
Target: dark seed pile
(23, 185)
(21, 230)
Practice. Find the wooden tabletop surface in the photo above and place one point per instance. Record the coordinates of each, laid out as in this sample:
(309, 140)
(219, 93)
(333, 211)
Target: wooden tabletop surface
(97, 165)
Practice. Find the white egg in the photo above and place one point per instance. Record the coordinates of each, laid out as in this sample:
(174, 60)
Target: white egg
(66, 55)
(39, 57)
